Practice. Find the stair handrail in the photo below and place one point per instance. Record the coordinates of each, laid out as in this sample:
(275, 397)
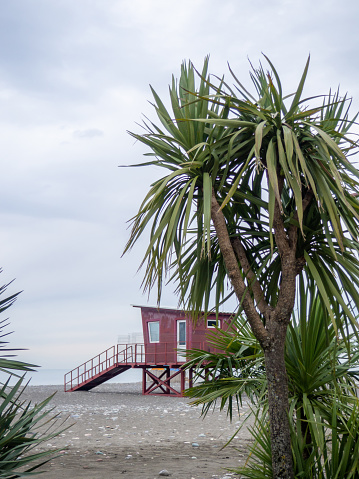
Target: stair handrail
(131, 353)
(97, 364)
(90, 368)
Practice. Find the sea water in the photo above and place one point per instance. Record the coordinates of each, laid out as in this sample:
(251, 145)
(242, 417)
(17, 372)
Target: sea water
(44, 377)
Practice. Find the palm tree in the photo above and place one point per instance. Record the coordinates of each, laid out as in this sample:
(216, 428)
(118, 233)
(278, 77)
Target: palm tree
(258, 190)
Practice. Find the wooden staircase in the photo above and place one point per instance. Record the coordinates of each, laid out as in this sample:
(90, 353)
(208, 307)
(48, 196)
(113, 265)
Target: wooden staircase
(106, 365)
(120, 358)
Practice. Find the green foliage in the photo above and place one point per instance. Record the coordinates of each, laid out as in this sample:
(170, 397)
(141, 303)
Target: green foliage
(8, 366)
(251, 150)
(334, 448)
(23, 426)
(323, 403)
(182, 198)
(237, 364)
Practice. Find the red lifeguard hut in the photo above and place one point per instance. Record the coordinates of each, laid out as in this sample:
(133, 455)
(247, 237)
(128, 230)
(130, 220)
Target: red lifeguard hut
(167, 334)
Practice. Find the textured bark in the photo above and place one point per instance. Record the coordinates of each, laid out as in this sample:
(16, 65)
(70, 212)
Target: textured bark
(277, 381)
(276, 325)
(235, 275)
(253, 282)
(271, 336)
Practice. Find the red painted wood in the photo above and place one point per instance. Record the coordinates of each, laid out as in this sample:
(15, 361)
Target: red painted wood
(163, 383)
(167, 345)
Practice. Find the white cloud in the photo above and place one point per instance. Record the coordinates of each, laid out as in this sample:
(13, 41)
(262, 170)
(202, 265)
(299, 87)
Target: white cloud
(88, 133)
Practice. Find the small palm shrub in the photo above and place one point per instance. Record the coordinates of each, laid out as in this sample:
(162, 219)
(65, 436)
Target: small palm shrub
(23, 426)
(323, 402)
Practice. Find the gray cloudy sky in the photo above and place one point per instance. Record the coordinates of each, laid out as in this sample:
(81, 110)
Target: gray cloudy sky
(74, 77)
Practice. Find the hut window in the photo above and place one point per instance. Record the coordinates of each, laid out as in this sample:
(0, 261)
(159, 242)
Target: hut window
(211, 323)
(181, 333)
(154, 331)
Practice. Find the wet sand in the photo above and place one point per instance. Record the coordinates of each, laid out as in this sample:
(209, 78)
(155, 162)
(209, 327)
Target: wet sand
(117, 432)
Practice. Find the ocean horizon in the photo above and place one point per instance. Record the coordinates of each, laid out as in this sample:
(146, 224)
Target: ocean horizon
(55, 377)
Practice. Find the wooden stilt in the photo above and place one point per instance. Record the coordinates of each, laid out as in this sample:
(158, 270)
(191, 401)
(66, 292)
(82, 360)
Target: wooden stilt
(183, 380)
(168, 374)
(143, 381)
(190, 377)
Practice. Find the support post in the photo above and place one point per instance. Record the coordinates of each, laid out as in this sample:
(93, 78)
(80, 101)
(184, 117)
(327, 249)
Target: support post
(168, 381)
(183, 381)
(143, 380)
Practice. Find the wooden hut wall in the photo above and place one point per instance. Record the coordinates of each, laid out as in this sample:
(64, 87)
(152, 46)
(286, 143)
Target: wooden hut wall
(163, 350)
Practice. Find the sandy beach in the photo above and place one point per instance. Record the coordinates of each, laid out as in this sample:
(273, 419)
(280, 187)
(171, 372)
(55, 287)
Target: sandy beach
(117, 432)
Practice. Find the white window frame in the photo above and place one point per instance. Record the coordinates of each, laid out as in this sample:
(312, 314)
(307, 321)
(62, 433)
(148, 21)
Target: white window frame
(212, 325)
(181, 344)
(150, 335)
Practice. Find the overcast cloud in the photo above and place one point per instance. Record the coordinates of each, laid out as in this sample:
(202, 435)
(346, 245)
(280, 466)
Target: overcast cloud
(74, 77)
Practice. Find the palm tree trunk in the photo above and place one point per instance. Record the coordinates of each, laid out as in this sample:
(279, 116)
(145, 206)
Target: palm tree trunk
(282, 463)
(271, 338)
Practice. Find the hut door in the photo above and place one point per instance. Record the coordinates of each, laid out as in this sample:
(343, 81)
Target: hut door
(181, 339)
